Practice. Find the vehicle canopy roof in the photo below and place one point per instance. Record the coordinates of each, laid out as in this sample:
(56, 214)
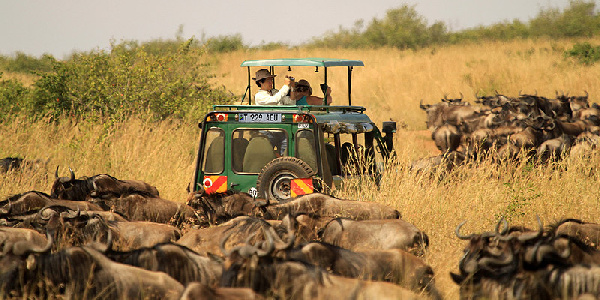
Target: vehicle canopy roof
(304, 62)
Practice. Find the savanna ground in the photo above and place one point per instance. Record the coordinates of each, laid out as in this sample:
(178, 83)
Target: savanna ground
(390, 85)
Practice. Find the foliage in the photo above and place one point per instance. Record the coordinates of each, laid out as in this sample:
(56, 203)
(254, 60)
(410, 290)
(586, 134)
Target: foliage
(11, 91)
(225, 43)
(585, 53)
(404, 28)
(23, 63)
(401, 28)
(124, 81)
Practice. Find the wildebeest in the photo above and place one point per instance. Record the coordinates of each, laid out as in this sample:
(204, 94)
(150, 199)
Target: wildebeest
(34, 200)
(395, 265)
(254, 267)
(79, 272)
(526, 265)
(16, 163)
(326, 206)
(446, 138)
(587, 232)
(442, 162)
(442, 112)
(82, 227)
(375, 235)
(238, 230)
(179, 262)
(98, 186)
(221, 207)
(136, 207)
(10, 163)
(9, 236)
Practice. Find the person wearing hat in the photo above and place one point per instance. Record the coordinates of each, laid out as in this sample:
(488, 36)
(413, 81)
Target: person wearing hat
(267, 95)
(303, 94)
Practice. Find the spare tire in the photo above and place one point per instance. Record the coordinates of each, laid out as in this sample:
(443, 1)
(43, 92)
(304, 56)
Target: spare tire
(274, 180)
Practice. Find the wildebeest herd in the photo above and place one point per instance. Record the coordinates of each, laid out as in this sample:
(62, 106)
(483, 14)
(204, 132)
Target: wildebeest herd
(503, 127)
(557, 262)
(102, 237)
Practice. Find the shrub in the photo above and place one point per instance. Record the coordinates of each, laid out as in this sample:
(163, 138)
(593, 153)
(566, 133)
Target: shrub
(12, 93)
(23, 63)
(128, 80)
(225, 43)
(585, 53)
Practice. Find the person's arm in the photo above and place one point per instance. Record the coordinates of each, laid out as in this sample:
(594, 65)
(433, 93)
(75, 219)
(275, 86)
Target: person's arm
(315, 100)
(263, 97)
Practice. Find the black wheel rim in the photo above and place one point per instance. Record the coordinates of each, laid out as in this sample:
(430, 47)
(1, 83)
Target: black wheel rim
(280, 186)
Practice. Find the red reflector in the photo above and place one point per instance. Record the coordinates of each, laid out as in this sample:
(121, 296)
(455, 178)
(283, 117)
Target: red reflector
(215, 184)
(301, 186)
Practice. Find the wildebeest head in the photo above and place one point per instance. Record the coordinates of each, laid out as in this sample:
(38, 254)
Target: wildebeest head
(10, 163)
(70, 188)
(496, 254)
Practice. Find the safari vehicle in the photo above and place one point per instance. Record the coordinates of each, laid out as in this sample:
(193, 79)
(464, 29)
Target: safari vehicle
(278, 152)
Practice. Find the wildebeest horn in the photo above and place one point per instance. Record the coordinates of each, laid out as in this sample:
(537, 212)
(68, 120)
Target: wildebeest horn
(109, 240)
(222, 244)
(291, 236)
(72, 174)
(41, 213)
(56, 173)
(270, 246)
(505, 229)
(530, 235)
(457, 232)
(6, 211)
(486, 261)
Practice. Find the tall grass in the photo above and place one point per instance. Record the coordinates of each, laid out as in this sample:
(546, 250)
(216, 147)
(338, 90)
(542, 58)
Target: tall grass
(390, 85)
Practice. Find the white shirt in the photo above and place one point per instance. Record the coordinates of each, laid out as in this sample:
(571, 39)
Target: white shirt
(280, 97)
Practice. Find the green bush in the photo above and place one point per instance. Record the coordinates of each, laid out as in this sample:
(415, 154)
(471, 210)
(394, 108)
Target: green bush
(12, 93)
(585, 53)
(128, 80)
(23, 63)
(404, 28)
(225, 43)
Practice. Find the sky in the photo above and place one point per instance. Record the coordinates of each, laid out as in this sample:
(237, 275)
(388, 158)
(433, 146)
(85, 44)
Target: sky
(59, 27)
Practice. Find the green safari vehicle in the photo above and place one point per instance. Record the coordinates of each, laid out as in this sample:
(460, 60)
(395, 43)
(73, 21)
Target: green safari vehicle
(279, 152)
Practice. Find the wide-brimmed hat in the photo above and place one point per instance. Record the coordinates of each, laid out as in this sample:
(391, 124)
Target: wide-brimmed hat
(262, 74)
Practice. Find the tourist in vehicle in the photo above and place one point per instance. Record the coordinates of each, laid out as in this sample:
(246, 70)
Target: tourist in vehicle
(267, 95)
(303, 94)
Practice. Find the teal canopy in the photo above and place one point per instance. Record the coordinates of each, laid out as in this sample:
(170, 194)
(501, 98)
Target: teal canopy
(304, 62)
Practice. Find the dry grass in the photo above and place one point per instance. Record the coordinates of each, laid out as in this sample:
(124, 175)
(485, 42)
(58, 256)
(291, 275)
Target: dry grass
(390, 85)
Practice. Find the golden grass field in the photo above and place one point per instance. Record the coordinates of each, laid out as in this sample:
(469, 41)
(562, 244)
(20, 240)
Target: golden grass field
(390, 85)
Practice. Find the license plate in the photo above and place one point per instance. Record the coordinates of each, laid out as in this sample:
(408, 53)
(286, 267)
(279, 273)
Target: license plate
(260, 118)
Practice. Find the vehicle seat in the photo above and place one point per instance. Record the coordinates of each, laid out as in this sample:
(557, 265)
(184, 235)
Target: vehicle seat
(239, 146)
(258, 153)
(215, 156)
(332, 159)
(306, 152)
